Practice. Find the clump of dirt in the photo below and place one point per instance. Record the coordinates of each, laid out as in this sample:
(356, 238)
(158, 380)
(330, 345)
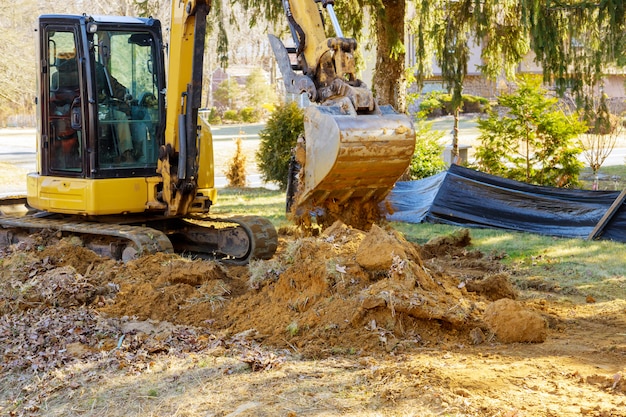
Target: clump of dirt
(512, 322)
(167, 287)
(380, 248)
(70, 252)
(616, 384)
(494, 287)
(446, 245)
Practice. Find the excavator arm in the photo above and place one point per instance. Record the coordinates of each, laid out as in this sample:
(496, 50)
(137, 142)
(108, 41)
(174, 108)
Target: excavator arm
(328, 63)
(353, 150)
(185, 145)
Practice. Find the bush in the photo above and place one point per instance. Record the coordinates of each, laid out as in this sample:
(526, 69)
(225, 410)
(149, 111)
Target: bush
(277, 140)
(427, 159)
(431, 106)
(259, 90)
(213, 116)
(228, 94)
(236, 171)
(231, 115)
(249, 115)
(438, 104)
(475, 104)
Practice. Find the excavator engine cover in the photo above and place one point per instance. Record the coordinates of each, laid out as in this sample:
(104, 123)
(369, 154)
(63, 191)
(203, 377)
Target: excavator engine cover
(352, 157)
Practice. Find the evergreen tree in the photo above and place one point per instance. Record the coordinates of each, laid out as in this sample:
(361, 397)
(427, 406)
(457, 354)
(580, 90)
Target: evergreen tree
(258, 90)
(278, 138)
(575, 41)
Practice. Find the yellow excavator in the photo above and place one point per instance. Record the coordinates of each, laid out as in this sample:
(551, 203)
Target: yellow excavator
(353, 150)
(124, 161)
(127, 164)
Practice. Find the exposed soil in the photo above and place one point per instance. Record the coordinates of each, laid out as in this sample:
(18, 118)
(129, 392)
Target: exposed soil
(407, 330)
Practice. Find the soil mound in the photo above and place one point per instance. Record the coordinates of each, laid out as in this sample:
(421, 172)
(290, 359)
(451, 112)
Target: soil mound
(166, 287)
(494, 287)
(512, 322)
(344, 291)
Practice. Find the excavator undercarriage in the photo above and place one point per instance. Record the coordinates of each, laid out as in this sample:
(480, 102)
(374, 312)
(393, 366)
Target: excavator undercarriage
(234, 240)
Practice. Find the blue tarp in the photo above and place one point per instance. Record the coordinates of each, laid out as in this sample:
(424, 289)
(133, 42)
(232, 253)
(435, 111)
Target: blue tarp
(464, 197)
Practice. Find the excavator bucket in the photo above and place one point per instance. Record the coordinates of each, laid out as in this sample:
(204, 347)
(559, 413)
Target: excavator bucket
(352, 158)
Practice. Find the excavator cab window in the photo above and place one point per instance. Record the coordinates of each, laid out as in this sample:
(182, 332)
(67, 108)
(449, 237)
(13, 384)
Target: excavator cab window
(126, 91)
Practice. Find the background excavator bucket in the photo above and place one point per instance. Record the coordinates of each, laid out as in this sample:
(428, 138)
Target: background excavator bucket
(352, 158)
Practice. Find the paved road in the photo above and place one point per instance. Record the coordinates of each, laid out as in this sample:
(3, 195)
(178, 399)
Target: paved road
(229, 132)
(17, 147)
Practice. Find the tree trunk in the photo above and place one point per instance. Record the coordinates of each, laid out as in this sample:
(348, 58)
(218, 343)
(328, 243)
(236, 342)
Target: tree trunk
(455, 137)
(389, 79)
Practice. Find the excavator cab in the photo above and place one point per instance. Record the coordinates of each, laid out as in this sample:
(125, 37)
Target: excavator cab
(102, 115)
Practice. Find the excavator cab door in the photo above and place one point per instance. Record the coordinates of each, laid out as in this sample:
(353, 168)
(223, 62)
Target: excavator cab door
(62, 85)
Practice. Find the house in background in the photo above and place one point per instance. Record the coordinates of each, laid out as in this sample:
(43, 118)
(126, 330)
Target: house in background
(614, 82)
(234, 73)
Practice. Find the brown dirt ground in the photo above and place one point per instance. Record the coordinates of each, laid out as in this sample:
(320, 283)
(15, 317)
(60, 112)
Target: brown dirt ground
(344, 323)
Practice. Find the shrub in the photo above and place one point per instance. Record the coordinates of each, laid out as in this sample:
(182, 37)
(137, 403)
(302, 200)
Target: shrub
(231, 115)
(249, 115)
(236, 171)
(259, 90)
(431, 106)
(228, 94)
(277, 140)
(475, 104)
(213, 116)
(427, 159)
(438, 104)
(533, 142)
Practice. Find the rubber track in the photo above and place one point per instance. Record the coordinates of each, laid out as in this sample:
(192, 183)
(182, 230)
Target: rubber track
(261, 234)
(147, 240)
(260, 231)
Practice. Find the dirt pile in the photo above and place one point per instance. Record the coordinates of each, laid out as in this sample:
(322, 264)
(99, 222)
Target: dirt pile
(345, 291)
(511, 322)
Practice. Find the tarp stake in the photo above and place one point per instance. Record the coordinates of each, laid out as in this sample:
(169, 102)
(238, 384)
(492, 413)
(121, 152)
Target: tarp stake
(608, 215)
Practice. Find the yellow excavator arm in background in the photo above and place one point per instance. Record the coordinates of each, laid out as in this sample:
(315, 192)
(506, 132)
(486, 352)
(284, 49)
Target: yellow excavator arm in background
(353, 150)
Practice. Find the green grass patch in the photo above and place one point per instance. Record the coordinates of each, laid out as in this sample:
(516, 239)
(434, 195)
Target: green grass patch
(611, 178)
(572, 267)
(252, 201)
